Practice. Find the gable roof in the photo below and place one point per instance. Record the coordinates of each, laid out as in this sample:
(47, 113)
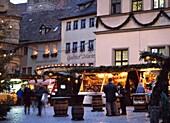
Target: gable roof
(31, 23)
(33, 20)
(90, 8)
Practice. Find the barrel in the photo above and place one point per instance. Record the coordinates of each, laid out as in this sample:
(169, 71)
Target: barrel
(77, 112)
(97, 103)
(60, 107)
(139, 102)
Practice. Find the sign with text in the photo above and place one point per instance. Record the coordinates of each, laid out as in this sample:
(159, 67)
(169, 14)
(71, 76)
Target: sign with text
(80, 57)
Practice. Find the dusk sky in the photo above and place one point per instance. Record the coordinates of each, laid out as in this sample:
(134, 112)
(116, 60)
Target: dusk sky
(18, 1)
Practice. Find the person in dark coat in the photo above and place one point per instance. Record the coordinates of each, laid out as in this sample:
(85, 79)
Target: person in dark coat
(39, 90)
(110, 91)
(27, 100)
(123, 98)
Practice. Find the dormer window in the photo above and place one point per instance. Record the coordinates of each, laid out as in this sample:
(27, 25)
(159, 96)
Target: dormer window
(84, 5)
(44, 29)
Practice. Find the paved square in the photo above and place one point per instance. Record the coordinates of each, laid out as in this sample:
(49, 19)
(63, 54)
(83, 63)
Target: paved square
(16, 115)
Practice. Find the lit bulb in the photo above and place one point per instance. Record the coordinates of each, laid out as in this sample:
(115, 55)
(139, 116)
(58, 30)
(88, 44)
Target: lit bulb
(76, 81)
(10, 27)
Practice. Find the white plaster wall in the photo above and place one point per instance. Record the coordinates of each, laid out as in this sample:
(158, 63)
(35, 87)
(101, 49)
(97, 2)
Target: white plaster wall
(103, 7)
(78, 36)
(147, 4)
(126, 6)
(40, 61)
(134, 41)
(114, 21)
(167, 3)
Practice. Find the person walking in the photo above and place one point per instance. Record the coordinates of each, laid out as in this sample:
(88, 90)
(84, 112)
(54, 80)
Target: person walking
(19, 96)
(110, 92)
(27, 100)
(140, 88)
(123, 98)
(39, 90)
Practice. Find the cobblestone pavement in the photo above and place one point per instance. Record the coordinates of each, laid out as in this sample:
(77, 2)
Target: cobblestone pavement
(16, 115)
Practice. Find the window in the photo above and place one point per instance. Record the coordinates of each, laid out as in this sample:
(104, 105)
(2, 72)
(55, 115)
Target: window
(90, 64)
(75, 25)
(24, 70)
(55, 48)
(91, 45)
(35, 51)
(160, 50)
(82, 64)
(44, 29)
(121, 57)
(136, 5)
(25, 50)
(74, 46)
(47, 49)
(91, 22)
(82, 46)
(116, 6)
(36, 1)
(29, 70)
(67, 47)
(158, 4)
(68, 26)
(83, 23)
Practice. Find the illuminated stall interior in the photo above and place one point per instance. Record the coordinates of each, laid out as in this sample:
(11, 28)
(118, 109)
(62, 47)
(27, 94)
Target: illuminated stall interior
(94, 82)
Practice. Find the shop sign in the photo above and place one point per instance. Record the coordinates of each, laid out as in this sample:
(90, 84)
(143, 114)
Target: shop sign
(81, 57)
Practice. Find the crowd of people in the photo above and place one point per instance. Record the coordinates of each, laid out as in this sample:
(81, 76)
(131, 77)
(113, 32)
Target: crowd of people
(37, 98)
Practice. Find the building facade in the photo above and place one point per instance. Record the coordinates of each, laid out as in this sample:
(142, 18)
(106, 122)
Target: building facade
(9, 34)
(78, 38)
(126, 27)
(41, 33)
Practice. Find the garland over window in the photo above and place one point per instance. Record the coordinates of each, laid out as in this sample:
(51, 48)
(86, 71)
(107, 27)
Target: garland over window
(131, 15)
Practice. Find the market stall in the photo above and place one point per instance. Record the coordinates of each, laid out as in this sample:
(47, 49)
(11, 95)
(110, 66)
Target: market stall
(94, 81)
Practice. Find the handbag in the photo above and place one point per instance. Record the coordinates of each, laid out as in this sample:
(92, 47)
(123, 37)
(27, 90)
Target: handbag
(44, 98)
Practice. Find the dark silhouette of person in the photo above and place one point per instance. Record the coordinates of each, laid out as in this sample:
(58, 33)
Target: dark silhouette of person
(27, 100)
(39, 90)
(123, 98)
(110, 90)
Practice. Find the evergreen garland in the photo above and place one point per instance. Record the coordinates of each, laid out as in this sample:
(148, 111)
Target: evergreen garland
(131, 15)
